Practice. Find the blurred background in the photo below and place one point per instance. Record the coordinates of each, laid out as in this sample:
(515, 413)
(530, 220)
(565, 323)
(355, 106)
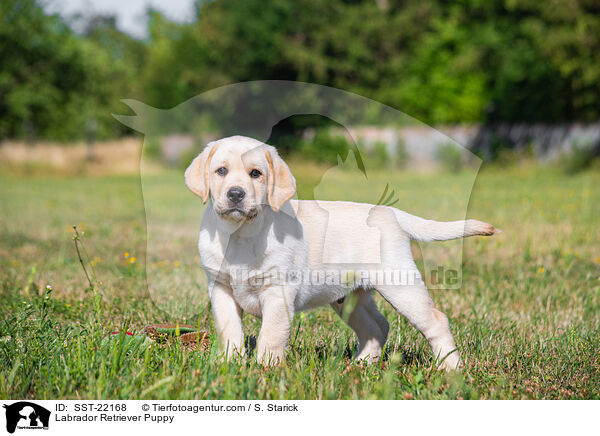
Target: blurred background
(500, 76)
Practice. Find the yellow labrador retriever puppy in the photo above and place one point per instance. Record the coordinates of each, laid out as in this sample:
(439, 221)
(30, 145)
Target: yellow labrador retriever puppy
(265, 254)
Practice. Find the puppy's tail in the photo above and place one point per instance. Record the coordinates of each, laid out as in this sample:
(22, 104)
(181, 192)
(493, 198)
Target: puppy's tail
(421, 229)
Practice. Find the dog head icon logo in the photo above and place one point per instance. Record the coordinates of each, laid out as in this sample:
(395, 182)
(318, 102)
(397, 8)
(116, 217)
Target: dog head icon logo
(26, 415)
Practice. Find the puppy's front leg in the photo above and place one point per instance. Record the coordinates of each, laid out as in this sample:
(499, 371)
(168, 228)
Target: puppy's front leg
(277, 305)
(228, 320)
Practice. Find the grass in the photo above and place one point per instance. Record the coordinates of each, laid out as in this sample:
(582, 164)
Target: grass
(526, 317)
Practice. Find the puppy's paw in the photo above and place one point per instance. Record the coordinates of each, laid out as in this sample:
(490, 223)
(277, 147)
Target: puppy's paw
(452, 362)
(270, 358)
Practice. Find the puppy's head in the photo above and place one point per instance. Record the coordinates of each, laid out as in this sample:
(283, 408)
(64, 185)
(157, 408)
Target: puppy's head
(240, 175)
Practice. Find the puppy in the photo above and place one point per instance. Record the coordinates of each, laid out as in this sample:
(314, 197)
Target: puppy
(265, 254)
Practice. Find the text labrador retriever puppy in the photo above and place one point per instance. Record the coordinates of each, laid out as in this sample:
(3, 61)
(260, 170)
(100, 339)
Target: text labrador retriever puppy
(271, 256)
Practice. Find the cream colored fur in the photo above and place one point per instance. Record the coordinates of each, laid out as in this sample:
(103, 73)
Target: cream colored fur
(268, 235)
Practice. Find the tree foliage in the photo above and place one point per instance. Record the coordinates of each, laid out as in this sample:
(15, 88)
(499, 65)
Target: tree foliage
(439, 61)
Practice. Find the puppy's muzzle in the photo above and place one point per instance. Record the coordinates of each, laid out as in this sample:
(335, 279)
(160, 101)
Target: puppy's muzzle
(235, 208)
(235, 195)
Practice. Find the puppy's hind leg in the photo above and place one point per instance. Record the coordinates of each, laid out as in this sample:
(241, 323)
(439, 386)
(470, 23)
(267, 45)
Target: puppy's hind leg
(368, 323)
(378, 317)
(416, 305)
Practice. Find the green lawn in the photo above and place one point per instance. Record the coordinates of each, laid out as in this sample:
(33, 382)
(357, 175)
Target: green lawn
(526, 318)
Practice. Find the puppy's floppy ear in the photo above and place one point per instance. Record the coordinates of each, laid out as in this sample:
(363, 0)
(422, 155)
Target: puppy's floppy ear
(281, 182)
(196, 175)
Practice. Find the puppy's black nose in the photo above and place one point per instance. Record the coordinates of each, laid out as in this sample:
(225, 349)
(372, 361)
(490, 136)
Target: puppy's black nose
(235, 195)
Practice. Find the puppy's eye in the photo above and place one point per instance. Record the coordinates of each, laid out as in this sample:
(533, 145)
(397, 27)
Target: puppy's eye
(255, 174)
(221, 171)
